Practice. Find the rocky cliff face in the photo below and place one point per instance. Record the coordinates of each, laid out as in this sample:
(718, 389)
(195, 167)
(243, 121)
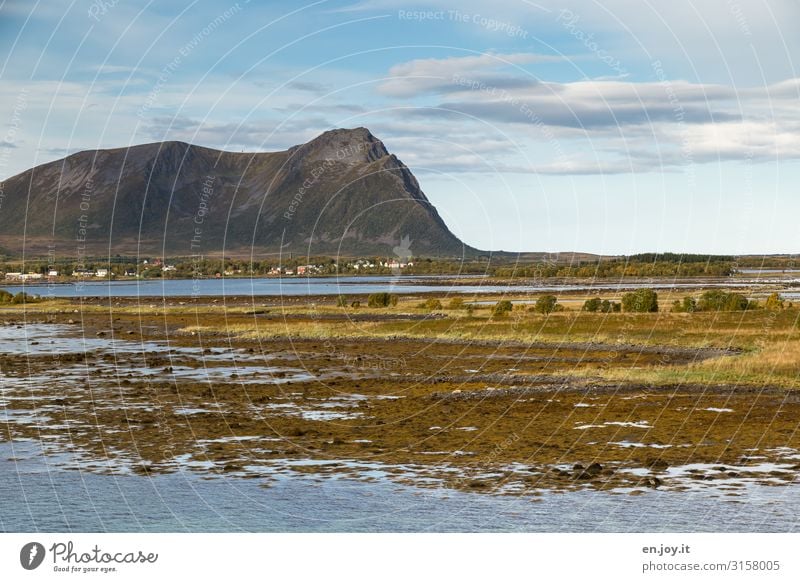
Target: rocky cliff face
(342, 193)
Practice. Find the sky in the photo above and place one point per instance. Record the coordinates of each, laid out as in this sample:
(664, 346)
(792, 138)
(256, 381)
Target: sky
(610, 127)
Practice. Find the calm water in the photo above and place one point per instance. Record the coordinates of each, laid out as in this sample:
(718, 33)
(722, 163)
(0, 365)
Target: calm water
(301, 286)
(35, 495)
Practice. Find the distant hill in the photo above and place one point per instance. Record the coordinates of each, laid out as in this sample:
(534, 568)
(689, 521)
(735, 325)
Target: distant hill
(339, 194)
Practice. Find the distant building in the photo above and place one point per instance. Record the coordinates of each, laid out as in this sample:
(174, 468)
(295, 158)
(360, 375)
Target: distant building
(168, 268)
(23, 276)
(52, 273)
(101, 273)
(305, 269)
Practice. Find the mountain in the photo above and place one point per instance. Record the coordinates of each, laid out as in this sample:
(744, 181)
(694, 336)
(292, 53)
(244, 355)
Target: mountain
(341, 193)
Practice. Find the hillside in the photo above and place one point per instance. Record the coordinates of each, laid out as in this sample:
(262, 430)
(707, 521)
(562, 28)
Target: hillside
(341, 193)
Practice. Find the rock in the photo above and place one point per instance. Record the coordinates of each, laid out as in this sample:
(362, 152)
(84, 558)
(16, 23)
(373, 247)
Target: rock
(594, 469)
(577, 467)
(100, 333)
(658, 464)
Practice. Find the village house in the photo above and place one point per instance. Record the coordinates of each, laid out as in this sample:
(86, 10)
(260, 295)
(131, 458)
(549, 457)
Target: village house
(23, 276)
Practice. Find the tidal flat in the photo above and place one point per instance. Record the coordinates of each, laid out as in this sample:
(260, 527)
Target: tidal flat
(447, 399)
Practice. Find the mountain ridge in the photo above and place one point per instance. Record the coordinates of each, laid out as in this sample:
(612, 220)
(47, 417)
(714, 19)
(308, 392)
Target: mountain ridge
(341, 193)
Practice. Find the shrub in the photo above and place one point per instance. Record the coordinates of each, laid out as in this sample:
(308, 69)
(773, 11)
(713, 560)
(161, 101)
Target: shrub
(502, 308)
(355, 304)
(610, 306)
(774, 302)
(456, 303)
(717, 300)
(341, 301)
(381, 300)
(24, 298)
(592, 305)
(5, 296)
(546, 304)
(432, 304)
(602, 305)
(640, 301)
(688, 305)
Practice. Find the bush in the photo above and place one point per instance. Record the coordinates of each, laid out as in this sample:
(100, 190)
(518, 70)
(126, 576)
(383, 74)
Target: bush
(688, 305)
(546, 304)
(24, 298)
(5, 296)
(610, 306)
(640, 301)
(456, 303)
(432, 304)
(381, 300)
(592, 305)
(717, 300)
(602, 305)
(502, 308)
(355, 304)
(774, 302)
(341, 301)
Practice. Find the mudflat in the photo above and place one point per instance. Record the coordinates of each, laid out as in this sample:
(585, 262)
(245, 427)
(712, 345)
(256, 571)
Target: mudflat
(437, 397)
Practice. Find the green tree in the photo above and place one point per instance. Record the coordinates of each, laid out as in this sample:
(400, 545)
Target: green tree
(718, 300)
(502, 308)
(640, 301)
(381, 300)
(610, 306)
(688, 305)
(593, 305)
(341, 301)
(546, 304)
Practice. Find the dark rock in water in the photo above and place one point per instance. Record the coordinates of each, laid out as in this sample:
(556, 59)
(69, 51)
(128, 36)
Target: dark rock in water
(653, 482)
(594, 469)
(657, 464)
(100, 333)
(577, 467)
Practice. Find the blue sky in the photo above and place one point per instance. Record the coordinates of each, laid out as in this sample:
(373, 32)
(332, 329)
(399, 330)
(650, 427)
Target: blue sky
(613, 127)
